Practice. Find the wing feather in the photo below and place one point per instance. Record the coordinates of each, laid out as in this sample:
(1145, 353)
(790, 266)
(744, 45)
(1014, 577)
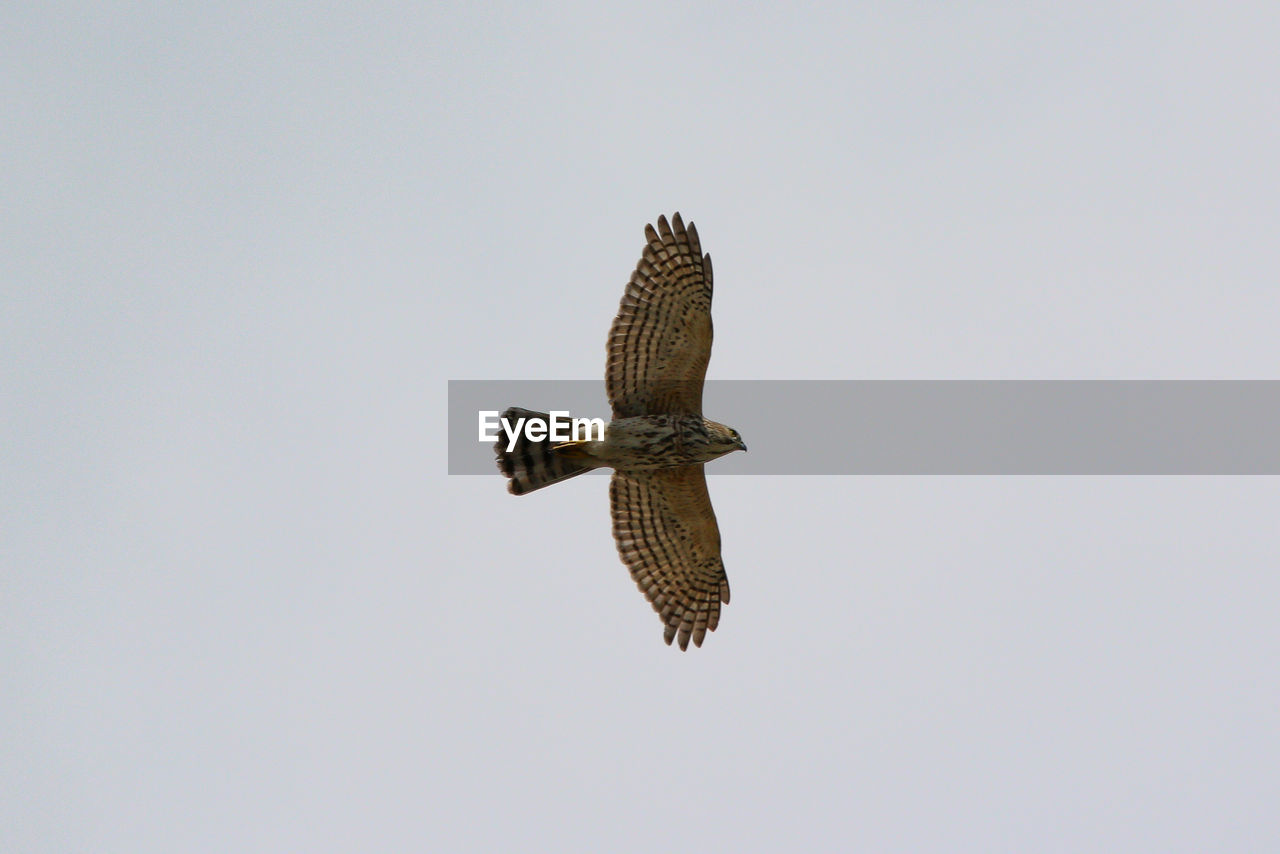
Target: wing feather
(667, 535)
(660, 342)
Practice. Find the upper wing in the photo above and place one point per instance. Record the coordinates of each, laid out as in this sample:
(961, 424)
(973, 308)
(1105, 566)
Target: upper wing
(660, 341)
(667, 536)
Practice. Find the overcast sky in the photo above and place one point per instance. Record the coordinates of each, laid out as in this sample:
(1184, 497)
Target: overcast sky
(244, 247)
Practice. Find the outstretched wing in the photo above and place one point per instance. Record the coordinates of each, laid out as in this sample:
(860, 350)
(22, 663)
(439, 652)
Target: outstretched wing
(660, 342)
(667, 536)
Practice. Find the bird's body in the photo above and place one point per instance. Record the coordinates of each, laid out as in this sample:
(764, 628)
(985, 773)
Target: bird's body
(658, 441)
(649, 442)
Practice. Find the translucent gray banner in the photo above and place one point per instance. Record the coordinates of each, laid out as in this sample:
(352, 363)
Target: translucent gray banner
(961, 427)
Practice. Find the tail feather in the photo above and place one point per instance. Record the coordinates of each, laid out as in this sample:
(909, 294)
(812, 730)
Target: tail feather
(531, 465)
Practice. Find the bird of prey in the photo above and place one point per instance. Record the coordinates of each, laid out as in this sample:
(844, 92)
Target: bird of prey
(657, 442)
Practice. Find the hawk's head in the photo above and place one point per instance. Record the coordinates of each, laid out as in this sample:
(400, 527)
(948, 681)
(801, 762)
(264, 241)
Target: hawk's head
(722, 439)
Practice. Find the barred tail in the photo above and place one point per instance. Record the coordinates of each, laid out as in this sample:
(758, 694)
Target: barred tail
(531, 465)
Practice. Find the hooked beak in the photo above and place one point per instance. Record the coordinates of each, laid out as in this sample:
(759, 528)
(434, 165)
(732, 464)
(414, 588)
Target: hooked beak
(742, 446)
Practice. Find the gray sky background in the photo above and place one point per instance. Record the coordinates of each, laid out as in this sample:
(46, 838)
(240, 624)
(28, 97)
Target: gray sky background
(243, 608)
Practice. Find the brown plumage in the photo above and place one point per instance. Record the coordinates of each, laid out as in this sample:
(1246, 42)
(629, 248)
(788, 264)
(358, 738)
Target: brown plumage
(663, 522)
